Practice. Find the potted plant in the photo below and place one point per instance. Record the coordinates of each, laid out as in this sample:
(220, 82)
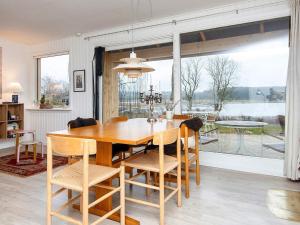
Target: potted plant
(170, 106)
(45, 104)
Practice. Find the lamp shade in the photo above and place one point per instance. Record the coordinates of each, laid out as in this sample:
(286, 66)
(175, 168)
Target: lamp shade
(15, 88)
(133, 67)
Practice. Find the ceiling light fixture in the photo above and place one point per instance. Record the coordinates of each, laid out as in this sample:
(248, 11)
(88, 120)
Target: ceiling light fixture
(133, 67)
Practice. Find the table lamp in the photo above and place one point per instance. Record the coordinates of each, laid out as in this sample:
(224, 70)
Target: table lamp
(15, 88)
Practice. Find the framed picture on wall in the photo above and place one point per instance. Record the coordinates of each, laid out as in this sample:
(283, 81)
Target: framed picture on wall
(79, 80)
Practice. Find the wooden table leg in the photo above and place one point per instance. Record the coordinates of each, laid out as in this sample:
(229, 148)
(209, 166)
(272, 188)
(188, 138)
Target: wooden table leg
(104, 158)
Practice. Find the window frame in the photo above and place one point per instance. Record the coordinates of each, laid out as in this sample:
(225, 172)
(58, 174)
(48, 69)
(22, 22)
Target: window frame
(38, 76)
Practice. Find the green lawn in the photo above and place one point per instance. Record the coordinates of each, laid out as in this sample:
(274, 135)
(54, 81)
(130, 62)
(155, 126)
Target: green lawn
(270, 128)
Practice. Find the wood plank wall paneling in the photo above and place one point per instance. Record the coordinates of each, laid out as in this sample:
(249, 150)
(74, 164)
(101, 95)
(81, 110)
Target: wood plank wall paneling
(46, 121)
(110, 105)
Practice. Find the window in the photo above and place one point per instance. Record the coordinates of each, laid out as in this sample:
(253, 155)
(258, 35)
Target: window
(54, 81)
(238, 73)
(129, 89)
(128, 102)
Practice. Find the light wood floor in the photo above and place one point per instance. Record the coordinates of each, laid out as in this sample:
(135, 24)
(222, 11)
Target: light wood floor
(223, 198)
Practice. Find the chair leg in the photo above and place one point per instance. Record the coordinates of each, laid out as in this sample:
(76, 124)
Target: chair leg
(34, 152)
(187, 179)
(122, 195)
(131, 171)
(81, 203)
(197, 149)
(70, 194)
(197, 171)
(26, 150)
(161, 198)
(147, 182)
(85, 209)
(18, 153)
(49, 203)
(179, 198)
(42, 149)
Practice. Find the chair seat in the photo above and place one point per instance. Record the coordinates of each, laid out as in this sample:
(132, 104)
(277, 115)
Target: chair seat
(150, 162)
(71, 176)
(30, 142)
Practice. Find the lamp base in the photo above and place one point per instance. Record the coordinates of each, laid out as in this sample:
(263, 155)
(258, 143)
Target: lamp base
(15, 99)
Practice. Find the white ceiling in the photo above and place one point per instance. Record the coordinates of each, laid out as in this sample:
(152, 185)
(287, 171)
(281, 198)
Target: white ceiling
(35, 21)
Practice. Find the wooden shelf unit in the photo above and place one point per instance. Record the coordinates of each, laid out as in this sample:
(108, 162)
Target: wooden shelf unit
(14, 109)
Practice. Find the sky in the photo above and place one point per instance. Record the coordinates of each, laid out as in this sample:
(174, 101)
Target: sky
(260, 64)
(56, 67)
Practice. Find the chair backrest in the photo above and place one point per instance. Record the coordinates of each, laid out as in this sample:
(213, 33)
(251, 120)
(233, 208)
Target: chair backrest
(166, 137)
(81, 122)
(185, 131)
(117, 119)
(67, 146)
(27, 136)
(190, 133)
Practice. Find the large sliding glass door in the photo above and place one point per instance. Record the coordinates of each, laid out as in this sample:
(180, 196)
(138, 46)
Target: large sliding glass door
(233, 77)
(238, 74)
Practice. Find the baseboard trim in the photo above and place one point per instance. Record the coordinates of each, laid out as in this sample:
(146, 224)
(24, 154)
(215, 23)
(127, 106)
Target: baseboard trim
(257, 165)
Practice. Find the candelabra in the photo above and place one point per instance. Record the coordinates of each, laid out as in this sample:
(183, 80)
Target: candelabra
(150, 99)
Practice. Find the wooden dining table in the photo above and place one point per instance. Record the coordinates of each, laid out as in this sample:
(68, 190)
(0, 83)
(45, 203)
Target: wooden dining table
(132, 132)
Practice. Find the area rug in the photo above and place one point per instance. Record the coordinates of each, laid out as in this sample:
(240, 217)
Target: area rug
(27, 167)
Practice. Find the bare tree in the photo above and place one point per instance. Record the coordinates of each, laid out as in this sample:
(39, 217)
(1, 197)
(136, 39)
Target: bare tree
(223, 71)
(190, 78)
(56, 92)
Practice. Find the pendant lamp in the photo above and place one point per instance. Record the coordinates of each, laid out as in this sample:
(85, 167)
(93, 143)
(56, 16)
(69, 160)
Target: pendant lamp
(133, 67)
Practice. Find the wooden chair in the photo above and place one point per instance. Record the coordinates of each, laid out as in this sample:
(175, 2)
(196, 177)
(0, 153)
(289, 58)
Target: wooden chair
(120, 150)
(80, 177)
(75, 158)
(27, 143)
(190, 154)
(157, 162)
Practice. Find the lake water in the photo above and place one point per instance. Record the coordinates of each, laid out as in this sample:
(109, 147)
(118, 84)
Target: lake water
(248, 109)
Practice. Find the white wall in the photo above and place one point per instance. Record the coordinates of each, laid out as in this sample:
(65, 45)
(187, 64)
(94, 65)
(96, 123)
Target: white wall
(81, 53)
(15, 68)
(81, 102)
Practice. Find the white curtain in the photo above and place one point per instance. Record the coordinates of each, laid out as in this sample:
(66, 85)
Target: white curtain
(292, 154)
